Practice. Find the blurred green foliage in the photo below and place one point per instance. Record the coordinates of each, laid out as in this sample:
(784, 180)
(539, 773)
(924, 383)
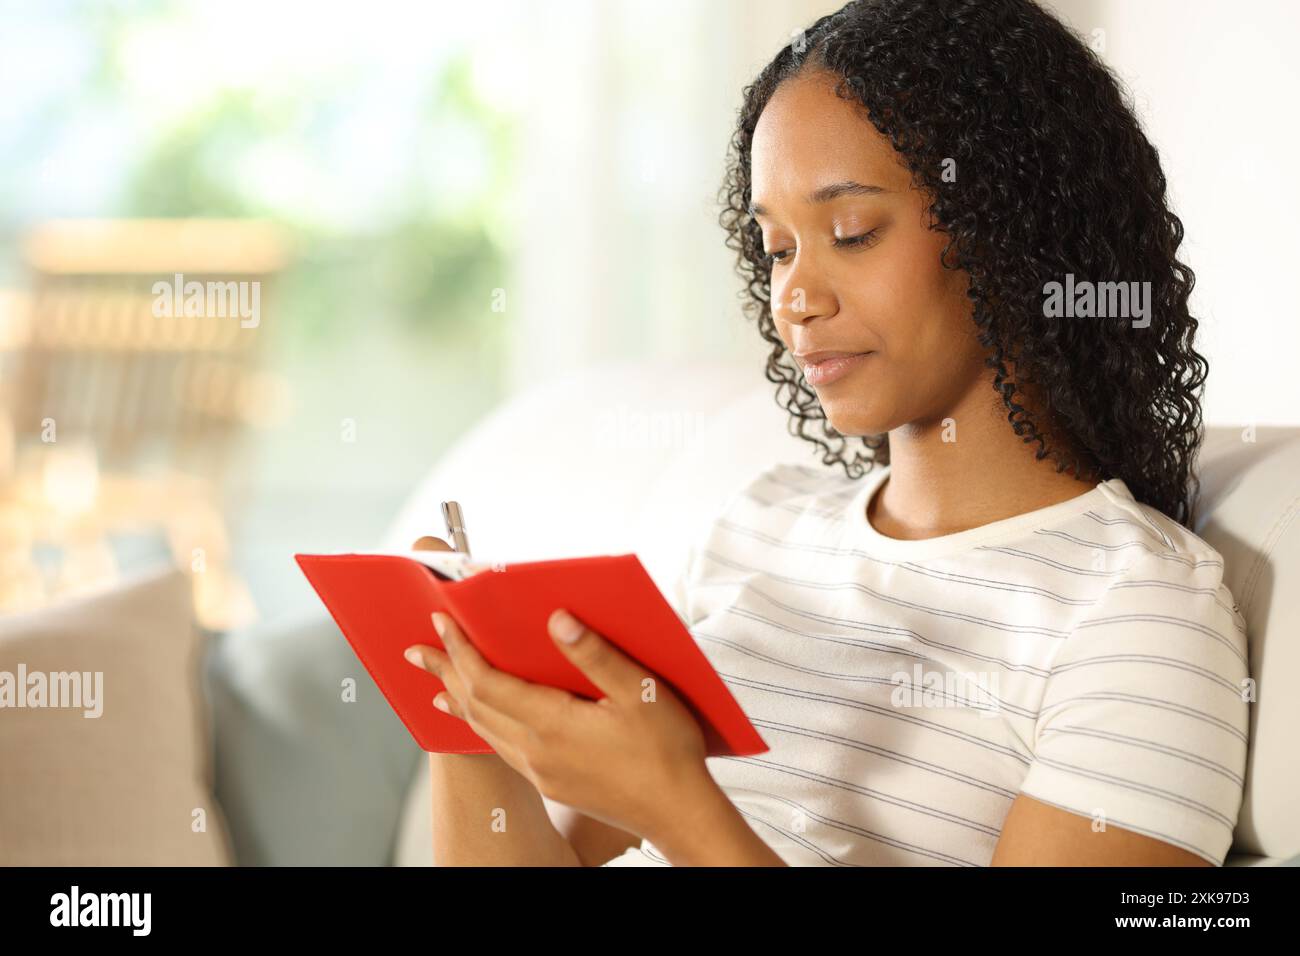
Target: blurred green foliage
(420, 264)
(389, 177)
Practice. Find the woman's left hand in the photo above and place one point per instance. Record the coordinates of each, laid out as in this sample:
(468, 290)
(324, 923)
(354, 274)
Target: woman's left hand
(633, 759)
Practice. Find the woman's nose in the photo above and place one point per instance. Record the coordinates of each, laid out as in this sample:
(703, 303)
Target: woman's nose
(797, 300)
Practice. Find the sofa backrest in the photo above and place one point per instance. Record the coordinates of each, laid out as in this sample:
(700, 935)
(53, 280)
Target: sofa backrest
(1250, 514)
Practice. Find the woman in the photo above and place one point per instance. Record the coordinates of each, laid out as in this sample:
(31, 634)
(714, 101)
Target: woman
(991, 637)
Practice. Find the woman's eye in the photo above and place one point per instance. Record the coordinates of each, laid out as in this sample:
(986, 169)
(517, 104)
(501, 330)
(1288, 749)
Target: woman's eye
(866, 239)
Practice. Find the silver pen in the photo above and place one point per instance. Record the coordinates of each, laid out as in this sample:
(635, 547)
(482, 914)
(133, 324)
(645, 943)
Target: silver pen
(455, 521)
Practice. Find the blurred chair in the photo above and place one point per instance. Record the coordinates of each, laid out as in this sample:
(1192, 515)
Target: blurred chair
(127, 391)
(103, 365)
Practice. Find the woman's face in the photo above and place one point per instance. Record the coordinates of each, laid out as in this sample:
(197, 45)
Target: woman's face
(855, 268)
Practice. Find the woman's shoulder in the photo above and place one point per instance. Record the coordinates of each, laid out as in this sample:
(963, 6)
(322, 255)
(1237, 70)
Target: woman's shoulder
(1118, 506)
(1153, 541)
(1163, 579)
(1141, 542)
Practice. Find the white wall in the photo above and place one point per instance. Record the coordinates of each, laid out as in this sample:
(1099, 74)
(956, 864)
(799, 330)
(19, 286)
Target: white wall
(1215, 85)
(622, 156)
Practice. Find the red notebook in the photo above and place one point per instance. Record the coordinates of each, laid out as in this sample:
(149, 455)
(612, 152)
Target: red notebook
(383, 603)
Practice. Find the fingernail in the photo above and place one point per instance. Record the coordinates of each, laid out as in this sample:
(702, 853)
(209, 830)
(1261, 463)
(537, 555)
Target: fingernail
(439, 624)
(565, 626)
(441, 704)
(413, 656)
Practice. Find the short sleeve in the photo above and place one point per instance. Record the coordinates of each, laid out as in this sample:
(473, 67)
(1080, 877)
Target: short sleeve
(1144, 721)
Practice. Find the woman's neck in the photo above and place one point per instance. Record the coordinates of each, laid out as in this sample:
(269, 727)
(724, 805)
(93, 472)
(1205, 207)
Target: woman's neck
(973, 471)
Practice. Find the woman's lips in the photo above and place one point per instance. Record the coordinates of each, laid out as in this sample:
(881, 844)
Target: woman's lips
(832, 369)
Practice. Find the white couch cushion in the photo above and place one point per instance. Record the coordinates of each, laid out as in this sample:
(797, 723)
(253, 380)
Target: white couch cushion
(627, 457)
(1251, 515)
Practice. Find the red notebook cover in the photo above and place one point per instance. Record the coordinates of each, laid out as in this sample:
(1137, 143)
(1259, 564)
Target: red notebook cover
(383, 603)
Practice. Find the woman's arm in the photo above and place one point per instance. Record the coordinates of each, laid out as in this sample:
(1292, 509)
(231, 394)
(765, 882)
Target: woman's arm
(632, 760)
(596, 843)
(486, 814)
(708, 830)
(1121, 776)
(1039, 834)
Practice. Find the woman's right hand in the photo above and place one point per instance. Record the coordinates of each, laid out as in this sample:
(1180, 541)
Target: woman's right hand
(472, 792)
(469, 786)
(425, 651)
(421, 655)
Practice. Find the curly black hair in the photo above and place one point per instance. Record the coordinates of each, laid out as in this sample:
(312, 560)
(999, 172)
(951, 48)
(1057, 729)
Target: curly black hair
(1054, 176)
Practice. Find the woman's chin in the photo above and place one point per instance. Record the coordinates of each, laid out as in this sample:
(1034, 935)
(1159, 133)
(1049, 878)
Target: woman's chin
(852, 422)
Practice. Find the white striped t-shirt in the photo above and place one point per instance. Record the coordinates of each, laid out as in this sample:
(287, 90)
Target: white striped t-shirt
(1087, 654)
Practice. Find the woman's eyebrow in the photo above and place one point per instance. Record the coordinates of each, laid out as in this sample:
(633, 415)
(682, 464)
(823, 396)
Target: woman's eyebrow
(827, 193)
